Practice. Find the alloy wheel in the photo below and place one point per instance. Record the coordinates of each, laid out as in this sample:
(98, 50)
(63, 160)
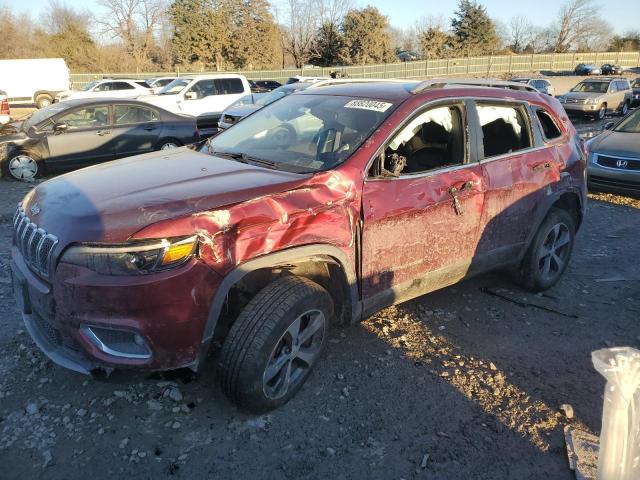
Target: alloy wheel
(168, 146)
(23, 167)
(625, 109)
(554, 251)
(602, 112)
(296, 351)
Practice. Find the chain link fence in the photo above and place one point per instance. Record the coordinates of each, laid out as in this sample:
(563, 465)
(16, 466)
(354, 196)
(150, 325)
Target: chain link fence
(484, 66)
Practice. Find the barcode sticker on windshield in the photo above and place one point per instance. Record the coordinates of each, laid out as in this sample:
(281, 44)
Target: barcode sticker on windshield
(369, 105)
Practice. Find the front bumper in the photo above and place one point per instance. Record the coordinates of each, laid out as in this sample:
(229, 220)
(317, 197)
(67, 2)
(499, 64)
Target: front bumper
(168, 310)
(585, 108)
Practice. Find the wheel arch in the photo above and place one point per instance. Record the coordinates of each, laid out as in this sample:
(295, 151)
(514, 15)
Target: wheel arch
(325, 264)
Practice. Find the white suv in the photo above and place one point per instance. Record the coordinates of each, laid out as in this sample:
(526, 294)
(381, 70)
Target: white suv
(109, 87)
(5, 114)
(200, 95)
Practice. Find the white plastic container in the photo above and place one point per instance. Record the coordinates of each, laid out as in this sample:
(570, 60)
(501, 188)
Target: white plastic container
(619, 457)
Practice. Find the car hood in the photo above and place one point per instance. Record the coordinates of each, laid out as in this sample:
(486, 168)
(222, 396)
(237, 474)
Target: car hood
(111, 202)
(617, 143)
(242, 110)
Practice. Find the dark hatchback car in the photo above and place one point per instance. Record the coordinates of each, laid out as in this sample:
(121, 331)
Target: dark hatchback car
(319, 209)
(610, 69)
(82, 132)
(587, 69)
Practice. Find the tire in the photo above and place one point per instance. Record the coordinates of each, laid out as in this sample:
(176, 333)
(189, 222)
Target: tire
(168, 143)
(22, 166)
(43, 100)
(549, 253)
(625, 109)
(602, 112)
(261, 367)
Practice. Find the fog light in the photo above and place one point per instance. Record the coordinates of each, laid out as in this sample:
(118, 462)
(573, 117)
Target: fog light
(118, 343)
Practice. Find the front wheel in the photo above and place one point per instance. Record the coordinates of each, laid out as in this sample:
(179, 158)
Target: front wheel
(168, 144)
(22, 166)
(275, 343)
(549, 252)
(602, 112)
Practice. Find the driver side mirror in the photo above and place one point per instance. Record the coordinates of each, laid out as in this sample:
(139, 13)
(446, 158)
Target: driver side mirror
(191, 96)
(60, 127)
(609, 125)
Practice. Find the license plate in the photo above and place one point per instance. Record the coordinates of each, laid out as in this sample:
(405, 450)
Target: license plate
(21, 294)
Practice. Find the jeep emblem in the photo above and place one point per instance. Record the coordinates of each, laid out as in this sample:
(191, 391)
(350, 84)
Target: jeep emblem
(34, 209)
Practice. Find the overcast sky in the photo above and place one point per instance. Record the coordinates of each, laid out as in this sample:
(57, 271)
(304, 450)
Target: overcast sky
(624, 15)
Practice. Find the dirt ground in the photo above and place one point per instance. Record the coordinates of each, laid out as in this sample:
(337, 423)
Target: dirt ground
(463, 383)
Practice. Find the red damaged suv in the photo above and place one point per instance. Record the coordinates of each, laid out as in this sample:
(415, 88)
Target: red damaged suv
(319, 209)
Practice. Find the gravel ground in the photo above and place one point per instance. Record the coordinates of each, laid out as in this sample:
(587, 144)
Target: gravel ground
(463, 383)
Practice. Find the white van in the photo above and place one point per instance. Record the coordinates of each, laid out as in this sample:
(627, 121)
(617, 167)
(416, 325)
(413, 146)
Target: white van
(36, 80)
(200, 95)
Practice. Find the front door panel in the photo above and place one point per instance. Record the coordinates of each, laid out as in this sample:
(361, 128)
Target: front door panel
(417, 237)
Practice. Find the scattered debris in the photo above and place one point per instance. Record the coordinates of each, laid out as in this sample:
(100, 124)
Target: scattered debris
(425, 459)
(567, 410)
(582, 451)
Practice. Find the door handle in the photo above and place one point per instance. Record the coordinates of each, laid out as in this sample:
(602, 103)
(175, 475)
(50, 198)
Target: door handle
(103, 132)
(148, 128)
(541, 166)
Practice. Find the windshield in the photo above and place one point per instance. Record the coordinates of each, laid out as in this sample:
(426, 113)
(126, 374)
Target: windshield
(43, 114)
(591, 87)
(176, 86)
(631, 124)
(302, 133)
(90, 85)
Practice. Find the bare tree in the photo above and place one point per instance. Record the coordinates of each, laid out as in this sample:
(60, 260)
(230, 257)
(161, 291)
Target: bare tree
(520, 33)
(60, 18)
(577, 20)
(134, 22)
(301, 23)
(333, 11)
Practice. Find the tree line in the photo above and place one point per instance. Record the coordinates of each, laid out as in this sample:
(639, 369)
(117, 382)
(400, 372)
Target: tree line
(199, 35)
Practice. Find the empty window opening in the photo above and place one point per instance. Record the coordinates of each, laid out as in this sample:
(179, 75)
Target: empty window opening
(504, 130)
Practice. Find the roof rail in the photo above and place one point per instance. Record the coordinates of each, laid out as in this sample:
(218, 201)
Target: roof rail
(472, 82)
(338, 81)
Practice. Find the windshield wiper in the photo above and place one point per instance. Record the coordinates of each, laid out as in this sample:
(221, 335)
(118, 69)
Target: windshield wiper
(244, 158)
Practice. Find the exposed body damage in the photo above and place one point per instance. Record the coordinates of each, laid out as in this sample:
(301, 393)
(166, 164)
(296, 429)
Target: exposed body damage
(365, 235)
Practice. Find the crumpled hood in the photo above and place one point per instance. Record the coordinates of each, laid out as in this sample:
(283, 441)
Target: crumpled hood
(617, 143)
(110, 202)
(242, 110)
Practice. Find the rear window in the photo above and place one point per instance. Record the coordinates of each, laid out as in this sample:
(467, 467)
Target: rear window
(550, 130)
(228, 86)
(504, 129)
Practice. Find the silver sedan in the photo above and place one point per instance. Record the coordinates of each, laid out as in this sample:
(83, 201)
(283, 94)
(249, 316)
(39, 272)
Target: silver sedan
(614, 160)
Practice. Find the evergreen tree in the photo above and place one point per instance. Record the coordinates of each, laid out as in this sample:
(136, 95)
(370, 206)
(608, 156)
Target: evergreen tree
(327, 47)
(474, 32)
(366, 37)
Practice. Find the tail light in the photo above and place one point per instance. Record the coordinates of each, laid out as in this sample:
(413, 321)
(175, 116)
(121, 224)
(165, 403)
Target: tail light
(4, 107)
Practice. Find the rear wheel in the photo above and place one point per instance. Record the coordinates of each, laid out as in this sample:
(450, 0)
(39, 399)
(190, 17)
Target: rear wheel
(625, 109)
(549, 252)
(44, 100)
(24, 166)
(275, 343)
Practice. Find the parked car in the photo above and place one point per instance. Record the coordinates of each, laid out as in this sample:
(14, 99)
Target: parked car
(587, 69)
(268, 84)
(255, 88)
(77, 133)
(636, 92)
(614, 157)
(5, 112)
(107, 88)
(34, 81)
(597, 97)
(407, 56)
(609, 69)
(269, 234)
(540, 84)
(158, 83)
(247, 105)
(300, 78)
(201, 95)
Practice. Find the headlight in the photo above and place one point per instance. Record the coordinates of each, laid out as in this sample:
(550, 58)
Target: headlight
(561, 99)
(135, 258)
